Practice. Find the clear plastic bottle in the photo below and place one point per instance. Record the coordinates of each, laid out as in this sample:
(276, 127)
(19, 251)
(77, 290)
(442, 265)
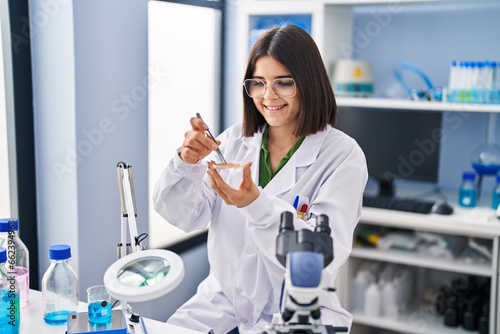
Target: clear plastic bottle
(467, 193)
(59, 286)
(360, 284)
(20, 263)
(373, 301)
(389, 301)
(9, 299)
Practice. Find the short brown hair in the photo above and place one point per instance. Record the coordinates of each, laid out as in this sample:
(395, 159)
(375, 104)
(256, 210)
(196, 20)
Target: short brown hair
(295, 49)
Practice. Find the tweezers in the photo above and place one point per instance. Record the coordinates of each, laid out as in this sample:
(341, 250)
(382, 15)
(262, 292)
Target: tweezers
(219, 153)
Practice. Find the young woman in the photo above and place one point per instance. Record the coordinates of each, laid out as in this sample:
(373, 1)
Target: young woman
(290, 149)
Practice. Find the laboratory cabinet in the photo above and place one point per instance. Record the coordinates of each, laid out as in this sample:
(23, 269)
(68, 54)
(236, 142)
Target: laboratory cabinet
(430, 268)
(394, 30)
(339, 34)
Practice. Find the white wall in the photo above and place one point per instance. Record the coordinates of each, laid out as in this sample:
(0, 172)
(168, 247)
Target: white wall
(7, 154)
(55, 125)
(90, 100)
(90, 82)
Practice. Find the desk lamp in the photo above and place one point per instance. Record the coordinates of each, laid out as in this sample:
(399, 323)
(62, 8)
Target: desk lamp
(138, 275)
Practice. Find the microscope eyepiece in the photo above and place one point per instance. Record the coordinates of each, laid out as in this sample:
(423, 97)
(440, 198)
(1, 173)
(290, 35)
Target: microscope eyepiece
(322, 224)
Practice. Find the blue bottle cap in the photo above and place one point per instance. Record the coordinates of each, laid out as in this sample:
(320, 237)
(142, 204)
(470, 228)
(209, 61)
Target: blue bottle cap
(59, 252)
(498, 178)
(9, 224)
(468, 176)
(3, 255)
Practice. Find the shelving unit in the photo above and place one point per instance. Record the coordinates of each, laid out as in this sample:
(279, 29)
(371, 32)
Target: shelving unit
(332, 23)
(454, 225)
(378, 103)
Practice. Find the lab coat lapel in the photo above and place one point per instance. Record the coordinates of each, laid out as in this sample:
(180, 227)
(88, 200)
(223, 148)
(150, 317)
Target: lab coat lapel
(305, 156)
(253, 153)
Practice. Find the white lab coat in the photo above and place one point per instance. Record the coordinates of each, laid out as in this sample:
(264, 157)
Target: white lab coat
(244, 285)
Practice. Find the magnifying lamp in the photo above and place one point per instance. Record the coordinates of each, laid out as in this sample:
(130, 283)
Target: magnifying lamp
(144, 275)
(138, 275)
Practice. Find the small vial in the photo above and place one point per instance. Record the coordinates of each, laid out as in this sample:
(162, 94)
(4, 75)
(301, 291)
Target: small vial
(467, 193)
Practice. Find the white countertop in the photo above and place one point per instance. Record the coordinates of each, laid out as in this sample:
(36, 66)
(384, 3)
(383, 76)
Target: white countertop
(32, 320)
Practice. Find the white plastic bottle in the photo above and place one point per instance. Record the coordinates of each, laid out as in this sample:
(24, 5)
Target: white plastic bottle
(373, 301)
(359, 286)
(18, 265)
(9, 299)
(59, 286)
(389, 301)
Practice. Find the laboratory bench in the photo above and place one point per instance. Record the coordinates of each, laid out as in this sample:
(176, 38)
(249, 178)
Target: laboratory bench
(32, 320)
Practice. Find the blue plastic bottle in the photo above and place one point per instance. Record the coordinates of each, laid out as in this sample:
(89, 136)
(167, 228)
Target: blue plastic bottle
(9, 298)
(59, 287)
(495, 196)
(467, 193)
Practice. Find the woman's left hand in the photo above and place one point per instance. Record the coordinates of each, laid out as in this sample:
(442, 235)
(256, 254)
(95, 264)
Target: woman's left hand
(246, 194)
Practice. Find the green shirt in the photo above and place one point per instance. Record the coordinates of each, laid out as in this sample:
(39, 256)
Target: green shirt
(265, 170)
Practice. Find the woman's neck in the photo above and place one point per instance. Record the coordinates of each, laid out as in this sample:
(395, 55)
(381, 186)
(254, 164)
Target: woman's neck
(279, 144)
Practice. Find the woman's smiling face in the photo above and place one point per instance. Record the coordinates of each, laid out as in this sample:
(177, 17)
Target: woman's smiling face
(278, 111)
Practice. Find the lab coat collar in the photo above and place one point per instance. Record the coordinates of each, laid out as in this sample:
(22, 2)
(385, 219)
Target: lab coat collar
(305, 156)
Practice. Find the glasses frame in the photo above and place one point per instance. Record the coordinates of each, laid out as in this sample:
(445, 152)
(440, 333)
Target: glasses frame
(266, 85)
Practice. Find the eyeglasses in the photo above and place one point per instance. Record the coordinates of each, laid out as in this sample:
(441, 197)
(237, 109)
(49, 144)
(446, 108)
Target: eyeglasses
(256, 88)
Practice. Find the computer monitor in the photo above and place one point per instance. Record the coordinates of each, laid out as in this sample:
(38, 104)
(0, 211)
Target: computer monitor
(398, 144)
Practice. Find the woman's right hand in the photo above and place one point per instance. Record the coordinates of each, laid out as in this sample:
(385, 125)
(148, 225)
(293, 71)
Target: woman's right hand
(197, 145)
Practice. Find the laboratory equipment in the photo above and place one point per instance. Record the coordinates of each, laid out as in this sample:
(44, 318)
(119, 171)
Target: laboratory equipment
(352, 78)
(430, 93)
(299, 303)
(219, 153)
(495, 196)
(467, 193)
(59, 286)
(139, 274)
(98, 304)
(9, 228)
(486, 157)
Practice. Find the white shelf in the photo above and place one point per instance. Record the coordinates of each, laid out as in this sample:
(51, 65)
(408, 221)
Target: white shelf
(379, 103)
(423, 261)
(455, 224)
(415, 322)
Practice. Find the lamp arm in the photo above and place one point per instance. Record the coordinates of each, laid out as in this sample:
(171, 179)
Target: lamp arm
(128, 209)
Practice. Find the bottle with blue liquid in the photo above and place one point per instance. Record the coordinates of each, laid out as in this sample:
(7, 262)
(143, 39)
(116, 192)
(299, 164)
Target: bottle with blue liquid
(495, 196)
(467, 193)
(9, 298)
(59, 286)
